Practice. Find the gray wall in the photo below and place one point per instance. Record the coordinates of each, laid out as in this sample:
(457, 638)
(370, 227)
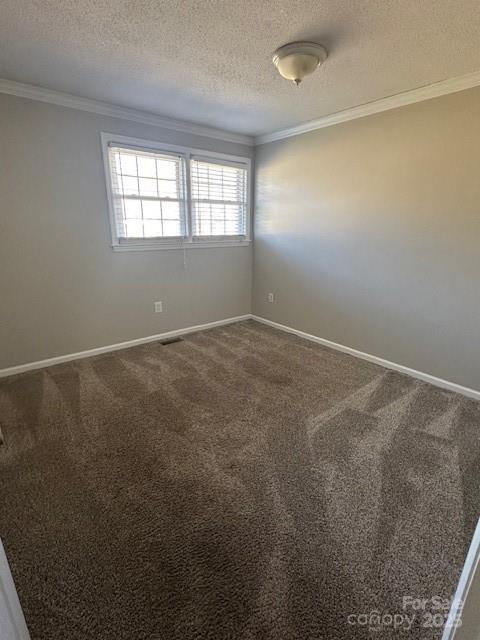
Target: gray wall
(62, 288)
(368, 233)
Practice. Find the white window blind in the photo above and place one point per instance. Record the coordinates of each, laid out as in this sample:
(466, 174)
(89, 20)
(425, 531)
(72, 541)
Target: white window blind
(148, 191)
(218, 199)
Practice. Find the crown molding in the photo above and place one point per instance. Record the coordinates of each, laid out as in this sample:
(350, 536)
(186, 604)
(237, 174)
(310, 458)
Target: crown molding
(33, 92)
(435, 90)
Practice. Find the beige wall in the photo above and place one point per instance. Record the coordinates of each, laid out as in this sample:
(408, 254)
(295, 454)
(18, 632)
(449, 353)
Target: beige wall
(368, 233)
(62, 288)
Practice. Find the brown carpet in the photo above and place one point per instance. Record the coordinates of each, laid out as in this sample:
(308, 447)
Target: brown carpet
(241, 484)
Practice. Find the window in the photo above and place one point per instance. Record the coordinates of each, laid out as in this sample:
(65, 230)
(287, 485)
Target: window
(161, 196)
(219, 198)
(148, 191)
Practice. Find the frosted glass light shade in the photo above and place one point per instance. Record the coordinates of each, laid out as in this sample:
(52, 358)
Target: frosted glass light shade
(296, 60)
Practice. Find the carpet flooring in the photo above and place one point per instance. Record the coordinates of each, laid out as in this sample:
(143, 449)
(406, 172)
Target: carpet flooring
(239, 484)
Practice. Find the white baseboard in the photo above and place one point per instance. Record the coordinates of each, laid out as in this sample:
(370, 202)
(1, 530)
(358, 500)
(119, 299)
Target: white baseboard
(426, 377)
(40, 364)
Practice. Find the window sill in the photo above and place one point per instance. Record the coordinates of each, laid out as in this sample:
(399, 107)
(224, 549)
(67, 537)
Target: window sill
(179, 247)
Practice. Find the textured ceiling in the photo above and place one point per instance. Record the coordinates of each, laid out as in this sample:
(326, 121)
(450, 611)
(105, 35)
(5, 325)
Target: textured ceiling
(209, 61)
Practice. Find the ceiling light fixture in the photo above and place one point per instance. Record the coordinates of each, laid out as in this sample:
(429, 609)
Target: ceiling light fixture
(296, 60)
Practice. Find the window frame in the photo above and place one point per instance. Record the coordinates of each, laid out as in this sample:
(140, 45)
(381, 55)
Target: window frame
(187, 242)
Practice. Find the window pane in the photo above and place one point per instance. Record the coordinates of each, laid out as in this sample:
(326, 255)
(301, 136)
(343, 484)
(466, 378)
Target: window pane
(129, 186)
(232, 228)
(134, 228)
(171, 210)
(231, 212)
(202, 220)
(214, 219)
(128, 164)
(218, 227)
(148, 187)
(171, 228)
(151, 209)
(152, 228)
(167, 189)
(133, 208)
(146, 167)
(166, 169)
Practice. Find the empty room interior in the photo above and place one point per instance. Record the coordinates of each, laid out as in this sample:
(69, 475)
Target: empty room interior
(239, 326)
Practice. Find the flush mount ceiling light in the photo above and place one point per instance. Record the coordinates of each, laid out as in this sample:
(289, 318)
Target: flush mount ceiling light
(296, 60)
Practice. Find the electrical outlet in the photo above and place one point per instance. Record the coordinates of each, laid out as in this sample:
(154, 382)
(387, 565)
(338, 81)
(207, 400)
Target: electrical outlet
(271, 297)
(158, 307)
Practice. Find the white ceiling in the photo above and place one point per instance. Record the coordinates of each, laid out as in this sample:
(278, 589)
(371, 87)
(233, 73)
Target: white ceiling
(209, 61)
